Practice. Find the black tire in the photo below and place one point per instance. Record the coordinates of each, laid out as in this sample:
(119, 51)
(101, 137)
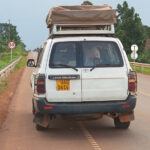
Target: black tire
(121, 125)
(40, 128)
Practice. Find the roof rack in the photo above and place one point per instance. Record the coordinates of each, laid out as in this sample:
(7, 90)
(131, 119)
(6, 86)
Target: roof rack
(80, 29)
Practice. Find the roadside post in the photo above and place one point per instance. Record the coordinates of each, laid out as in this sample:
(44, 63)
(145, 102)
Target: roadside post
(11, 46)
(134, 55)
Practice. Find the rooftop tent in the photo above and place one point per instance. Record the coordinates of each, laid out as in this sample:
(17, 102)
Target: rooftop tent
(81, 15)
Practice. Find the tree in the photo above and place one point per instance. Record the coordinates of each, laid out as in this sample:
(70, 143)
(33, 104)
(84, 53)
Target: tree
(8, 32)
(37, 49)
(129, 28)
(147, 31)
(87, 3)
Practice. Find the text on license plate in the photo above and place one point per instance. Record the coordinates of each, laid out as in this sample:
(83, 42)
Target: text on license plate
(63, 85)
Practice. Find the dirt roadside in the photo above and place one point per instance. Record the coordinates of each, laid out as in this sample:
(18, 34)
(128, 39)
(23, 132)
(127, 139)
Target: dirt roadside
(7, 94)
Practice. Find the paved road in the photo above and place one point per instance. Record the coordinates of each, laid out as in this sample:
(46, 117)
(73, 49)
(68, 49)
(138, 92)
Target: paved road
(18, 131)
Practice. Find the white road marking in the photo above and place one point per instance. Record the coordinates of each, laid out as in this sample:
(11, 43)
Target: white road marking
(90, 138)
(143, 93)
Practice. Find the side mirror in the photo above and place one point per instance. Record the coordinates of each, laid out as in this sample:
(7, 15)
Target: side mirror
(31, 63)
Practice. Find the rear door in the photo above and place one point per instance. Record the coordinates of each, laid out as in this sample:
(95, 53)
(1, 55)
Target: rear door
(63, 77)
(104, 75)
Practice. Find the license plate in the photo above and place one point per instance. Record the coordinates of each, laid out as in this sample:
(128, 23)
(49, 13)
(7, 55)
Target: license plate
(63, 85)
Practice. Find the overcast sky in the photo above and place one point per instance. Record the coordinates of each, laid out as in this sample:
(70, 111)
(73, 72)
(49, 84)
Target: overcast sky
(29, 15)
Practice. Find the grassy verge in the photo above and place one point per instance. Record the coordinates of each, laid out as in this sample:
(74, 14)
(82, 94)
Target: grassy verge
(18, 66)
(3, 85)
(139, 69)
(5, 57)
(21, 63)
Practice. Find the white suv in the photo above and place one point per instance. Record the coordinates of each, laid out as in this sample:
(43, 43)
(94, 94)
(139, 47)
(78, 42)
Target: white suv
(83, 76)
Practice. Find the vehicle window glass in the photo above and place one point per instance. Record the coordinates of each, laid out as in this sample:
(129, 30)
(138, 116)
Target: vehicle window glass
(39, 58)
(40, 55)
(63, 54)
(101, 53)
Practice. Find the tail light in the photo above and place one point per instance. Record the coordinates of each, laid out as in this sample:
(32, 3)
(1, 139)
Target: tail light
(40, 84)
(132, 82)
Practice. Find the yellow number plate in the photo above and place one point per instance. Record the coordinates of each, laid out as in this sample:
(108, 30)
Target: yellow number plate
(63, 85)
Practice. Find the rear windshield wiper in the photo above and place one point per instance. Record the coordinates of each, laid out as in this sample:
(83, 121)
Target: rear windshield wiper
(64, 65)
(101, 65)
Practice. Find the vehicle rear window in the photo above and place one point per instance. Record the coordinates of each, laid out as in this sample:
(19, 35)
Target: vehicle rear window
(86, 54)
(104, 54)
(63, 54)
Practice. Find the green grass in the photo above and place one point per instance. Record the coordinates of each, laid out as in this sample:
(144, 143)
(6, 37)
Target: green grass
(3, 85)
(19, 65)
(5, 57)
(139, 69)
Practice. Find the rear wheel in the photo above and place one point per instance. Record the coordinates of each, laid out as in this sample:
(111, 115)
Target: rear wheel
(40, 128)
(121, 125)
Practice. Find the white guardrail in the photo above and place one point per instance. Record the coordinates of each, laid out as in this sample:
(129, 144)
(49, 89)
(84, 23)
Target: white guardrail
(6, 70)
(142, 65)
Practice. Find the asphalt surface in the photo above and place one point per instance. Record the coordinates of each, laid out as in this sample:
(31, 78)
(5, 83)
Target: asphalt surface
(18, 131)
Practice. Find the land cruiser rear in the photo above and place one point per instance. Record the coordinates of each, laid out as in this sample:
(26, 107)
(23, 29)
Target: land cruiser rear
(83, 71)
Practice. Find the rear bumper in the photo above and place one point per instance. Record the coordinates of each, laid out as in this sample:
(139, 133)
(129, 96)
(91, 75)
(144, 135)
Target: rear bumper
(41, 105)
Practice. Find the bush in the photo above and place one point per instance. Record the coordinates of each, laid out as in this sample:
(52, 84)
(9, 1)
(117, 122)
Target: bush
(144, 57)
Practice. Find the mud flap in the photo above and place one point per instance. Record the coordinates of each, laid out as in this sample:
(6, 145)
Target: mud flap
(41, 119)
(126, 117)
